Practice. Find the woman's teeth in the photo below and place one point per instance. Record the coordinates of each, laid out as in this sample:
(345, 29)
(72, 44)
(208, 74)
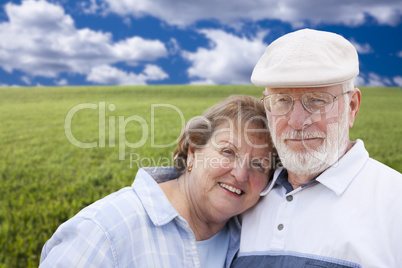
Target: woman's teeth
(230, 188)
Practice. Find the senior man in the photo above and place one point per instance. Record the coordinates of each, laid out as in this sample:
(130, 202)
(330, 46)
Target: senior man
(331, 205)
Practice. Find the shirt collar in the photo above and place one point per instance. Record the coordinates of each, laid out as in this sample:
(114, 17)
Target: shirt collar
(154, 200)
(272, 182)
(284, 181)
(337, 177)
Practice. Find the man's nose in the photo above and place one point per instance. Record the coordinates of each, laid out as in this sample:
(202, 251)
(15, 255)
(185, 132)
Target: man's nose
(299, 117)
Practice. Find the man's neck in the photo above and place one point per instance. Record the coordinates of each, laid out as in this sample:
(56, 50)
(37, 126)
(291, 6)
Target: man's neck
(297, 180)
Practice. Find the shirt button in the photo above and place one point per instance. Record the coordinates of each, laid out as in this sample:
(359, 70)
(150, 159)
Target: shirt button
(289, 198)
(280, 227)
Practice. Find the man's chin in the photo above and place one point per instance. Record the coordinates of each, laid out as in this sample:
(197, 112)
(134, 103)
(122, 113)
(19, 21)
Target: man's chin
(301, 146)
(288, 151)
(302, 162)
(307, 169)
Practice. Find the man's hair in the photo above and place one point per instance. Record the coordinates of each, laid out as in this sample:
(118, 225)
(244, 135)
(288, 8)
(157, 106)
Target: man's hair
(348, 86)
(237, 110)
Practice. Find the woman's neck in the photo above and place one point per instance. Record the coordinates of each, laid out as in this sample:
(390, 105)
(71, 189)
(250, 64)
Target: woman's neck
(202, 226)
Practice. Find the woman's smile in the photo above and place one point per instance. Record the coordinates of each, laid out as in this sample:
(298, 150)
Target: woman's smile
(231, 189)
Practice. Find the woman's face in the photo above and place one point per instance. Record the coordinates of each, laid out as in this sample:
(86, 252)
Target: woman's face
(229, 173)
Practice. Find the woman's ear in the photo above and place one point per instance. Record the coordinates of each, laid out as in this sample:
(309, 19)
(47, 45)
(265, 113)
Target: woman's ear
(354, 106)
(190, 155)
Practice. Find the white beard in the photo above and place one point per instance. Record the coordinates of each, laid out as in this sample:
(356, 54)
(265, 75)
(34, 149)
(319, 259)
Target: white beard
(313, 161)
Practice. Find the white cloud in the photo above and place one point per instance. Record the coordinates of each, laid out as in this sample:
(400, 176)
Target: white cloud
(398, 80)
(137, 49)
(173, 46)
(358, 81)
(184, 12)
(41, 40)
(61, 82)
(89, 8)
(362, 48)
(399, 54)
(202, 82)
(229, 59)
(153, 72)
(127, 21)
(106, 74)
(26, 80)
(373, 80)
(5, 85)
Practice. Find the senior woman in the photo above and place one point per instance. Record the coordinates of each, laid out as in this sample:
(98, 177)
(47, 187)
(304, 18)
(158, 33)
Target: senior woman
(181, 216)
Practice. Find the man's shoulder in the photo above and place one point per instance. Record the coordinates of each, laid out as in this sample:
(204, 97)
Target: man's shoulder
(380, 184)
(370, 167)
(376, 168)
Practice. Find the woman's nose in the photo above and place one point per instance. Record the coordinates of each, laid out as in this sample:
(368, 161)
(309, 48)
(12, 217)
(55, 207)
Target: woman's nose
(240, 171)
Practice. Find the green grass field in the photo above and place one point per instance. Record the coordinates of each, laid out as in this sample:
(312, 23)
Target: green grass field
(46, 179)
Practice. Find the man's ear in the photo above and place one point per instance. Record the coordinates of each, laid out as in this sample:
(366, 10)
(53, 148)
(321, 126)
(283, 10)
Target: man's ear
(354, 105)
(265, 92)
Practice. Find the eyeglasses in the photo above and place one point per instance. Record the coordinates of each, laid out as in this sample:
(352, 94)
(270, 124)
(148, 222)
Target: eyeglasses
(314, 102)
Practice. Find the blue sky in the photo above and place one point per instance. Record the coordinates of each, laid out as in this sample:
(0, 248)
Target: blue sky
(122, 42)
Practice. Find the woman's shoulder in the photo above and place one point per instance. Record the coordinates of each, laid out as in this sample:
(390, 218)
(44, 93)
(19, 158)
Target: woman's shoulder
(113, 208)
(103, 228)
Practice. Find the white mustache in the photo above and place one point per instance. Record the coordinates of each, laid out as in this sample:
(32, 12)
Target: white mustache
(302, 135)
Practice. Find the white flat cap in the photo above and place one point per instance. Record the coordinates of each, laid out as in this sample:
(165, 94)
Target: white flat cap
(306, 58)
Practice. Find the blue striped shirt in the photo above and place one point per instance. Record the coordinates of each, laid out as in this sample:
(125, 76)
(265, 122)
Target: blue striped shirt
(134, 227)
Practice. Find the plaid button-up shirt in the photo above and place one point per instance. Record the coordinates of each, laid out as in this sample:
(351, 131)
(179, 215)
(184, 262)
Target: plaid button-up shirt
(134, 227)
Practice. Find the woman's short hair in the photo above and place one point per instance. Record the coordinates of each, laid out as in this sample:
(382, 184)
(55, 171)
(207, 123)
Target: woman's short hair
(237, 110)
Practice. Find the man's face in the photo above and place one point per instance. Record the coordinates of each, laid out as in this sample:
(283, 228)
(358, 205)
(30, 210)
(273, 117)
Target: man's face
(309, 143)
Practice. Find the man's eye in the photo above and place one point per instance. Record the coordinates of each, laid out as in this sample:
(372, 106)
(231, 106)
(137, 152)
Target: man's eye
(317, 100)
(283, 100)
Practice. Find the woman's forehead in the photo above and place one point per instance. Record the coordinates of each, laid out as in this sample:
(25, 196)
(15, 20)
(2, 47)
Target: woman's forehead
(240, 136)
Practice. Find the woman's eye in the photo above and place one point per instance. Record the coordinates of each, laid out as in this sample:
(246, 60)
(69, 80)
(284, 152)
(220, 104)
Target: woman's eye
(228, 151)
(259, 166)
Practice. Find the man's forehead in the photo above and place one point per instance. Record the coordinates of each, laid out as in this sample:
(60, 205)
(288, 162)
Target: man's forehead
(330, 89)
